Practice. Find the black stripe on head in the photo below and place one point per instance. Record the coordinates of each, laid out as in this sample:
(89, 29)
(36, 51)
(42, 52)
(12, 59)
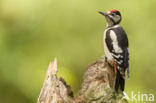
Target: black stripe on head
(112, 20)
(118, 13)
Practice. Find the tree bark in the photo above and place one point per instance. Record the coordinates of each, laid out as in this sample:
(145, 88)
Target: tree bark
(97, 87)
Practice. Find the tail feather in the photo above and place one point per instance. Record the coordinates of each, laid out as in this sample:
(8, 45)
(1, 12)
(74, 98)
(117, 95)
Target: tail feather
(119, 82)
(122, 83)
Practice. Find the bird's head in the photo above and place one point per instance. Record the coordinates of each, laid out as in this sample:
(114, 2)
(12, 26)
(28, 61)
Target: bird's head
(113, 17)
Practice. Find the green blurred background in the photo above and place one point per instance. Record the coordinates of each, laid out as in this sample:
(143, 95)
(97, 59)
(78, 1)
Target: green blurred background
(33, 32)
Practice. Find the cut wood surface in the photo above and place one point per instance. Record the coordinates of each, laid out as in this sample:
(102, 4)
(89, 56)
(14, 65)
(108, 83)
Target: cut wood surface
(97, 86)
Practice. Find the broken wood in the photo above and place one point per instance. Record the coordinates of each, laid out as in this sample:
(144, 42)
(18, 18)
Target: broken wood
(97, 87)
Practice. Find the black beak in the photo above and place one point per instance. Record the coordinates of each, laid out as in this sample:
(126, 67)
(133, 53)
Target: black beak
(105, 14)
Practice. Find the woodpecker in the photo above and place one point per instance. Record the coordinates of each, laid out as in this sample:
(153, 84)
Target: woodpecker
(116, 47)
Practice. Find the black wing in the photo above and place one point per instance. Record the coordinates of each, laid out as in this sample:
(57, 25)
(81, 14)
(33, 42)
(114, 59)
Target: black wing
(122, 58)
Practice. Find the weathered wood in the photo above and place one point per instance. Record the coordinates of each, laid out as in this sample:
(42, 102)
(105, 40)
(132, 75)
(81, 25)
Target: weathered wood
(55, 90)
(97, 87)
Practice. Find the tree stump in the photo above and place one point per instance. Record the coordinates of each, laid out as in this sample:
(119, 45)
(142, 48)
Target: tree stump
(97, 87)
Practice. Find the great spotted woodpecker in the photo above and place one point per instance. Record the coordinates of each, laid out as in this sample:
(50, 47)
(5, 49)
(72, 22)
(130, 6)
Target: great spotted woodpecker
(116, 47)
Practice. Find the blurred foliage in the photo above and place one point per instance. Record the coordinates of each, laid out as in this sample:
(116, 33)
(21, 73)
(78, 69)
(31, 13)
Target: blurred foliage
(33, 32)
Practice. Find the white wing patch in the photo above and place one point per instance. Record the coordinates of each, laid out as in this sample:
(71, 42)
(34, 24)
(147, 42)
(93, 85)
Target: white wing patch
(117, 56)
(115, 42)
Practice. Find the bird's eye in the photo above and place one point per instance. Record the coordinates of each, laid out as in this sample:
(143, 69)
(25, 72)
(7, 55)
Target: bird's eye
(113, 14)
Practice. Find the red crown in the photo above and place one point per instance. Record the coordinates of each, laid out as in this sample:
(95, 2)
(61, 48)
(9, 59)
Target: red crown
(113, 11)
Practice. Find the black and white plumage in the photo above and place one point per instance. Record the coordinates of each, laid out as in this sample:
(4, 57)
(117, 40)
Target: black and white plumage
(116, 47)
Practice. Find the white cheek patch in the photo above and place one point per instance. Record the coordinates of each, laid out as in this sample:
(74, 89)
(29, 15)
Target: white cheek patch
(116, 18)
(111, 16)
